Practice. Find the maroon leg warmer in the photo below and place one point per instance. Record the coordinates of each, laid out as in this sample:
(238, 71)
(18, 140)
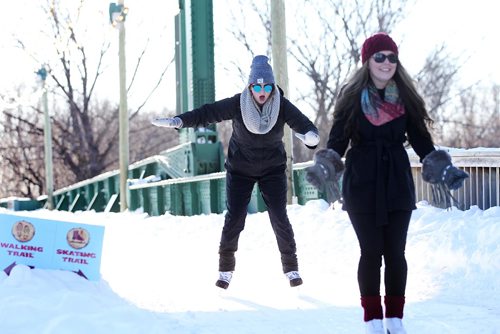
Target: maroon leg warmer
(394, 306)
(372, 306)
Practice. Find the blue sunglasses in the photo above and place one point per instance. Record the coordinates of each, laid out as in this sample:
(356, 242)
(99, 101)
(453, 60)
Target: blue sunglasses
(268, 88)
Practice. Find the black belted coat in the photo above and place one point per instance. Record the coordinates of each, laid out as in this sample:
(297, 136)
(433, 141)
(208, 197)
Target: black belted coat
(248, 153)
(377, 177)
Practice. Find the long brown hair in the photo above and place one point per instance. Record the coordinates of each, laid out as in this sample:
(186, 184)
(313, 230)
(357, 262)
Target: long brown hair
(348, 102)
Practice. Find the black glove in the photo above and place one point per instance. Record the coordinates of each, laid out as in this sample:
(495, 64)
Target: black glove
(325, 174)
(438, 169)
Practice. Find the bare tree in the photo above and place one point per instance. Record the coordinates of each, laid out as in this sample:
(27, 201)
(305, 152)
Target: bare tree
(257, 15)
(436, 79)
(22, 153)
(474, 119)
(85, 130)
(325, 48)
(22, 147)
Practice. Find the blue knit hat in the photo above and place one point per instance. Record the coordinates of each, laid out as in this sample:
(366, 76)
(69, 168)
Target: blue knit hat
(260, 71)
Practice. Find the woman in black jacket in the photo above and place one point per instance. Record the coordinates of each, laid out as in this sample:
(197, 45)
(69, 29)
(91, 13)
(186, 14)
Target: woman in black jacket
(256, 154)
(376, 113)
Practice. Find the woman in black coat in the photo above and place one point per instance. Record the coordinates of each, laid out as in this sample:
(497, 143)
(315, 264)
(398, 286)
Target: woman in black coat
(376, 113)
(256, 154)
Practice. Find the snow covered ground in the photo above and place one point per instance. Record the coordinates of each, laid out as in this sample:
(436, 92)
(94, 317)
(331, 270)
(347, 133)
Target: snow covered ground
(158, 276)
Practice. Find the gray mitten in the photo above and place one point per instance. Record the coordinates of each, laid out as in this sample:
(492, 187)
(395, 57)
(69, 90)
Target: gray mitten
(326, 172)
(454, 178)
(437, 168)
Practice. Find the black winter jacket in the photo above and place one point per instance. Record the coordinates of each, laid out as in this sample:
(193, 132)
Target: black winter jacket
(248, 153)
(377, 177)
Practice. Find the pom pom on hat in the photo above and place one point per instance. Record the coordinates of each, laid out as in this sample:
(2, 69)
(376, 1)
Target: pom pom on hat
(261, 71)
(376, 43)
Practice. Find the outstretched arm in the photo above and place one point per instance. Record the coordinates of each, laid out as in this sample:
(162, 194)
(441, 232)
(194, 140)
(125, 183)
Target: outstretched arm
(167, 122)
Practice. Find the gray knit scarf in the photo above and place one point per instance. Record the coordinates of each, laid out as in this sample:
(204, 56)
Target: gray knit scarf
(259, 121)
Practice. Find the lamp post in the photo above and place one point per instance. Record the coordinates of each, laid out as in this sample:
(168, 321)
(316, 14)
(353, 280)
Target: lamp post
(117, 14)
(42, 73)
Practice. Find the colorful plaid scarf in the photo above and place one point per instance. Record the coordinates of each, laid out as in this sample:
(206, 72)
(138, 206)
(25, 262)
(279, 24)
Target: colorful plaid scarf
(379, 111)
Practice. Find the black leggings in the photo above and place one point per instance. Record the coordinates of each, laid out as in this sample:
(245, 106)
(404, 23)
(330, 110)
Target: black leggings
(386, 241)
(273, 188)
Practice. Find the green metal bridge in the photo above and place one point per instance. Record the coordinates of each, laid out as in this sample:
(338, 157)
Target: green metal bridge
(189, 179)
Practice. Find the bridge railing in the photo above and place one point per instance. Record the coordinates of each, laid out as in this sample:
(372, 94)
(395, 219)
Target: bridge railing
(482, 188)
(204, 194)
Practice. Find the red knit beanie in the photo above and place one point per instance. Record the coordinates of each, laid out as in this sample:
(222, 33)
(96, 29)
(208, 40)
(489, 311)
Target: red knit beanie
(376, 43)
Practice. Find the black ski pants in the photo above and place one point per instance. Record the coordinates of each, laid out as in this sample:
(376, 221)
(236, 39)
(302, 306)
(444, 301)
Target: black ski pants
(273, 188)
(387, 241)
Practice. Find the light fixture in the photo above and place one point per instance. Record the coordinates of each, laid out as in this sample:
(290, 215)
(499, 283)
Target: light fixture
(117, 13)
(42, 73)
